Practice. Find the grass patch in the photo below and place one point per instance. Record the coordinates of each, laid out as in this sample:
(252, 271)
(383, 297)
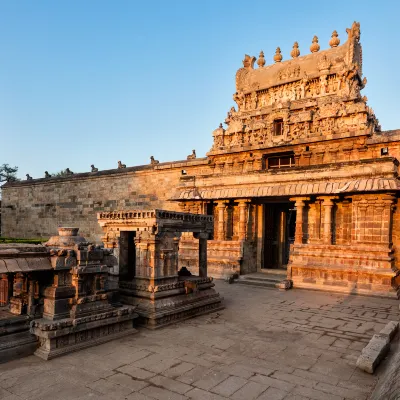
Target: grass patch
(23, 241)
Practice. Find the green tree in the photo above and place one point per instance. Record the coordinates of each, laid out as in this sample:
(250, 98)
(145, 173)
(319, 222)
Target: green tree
(7, 173)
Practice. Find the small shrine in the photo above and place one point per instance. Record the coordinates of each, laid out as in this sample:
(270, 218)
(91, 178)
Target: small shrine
(147, 245)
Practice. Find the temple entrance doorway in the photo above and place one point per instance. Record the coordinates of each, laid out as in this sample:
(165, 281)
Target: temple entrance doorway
(279, 231)
(127, 255)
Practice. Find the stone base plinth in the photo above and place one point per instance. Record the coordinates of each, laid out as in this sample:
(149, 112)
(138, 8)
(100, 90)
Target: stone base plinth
(173, 302)
(60, 337)
(347, 269)
(15, 339)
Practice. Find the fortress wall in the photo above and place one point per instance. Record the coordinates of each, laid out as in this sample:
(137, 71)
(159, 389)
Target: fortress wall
(32, 209)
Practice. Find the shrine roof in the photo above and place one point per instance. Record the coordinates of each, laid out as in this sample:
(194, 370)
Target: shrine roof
(337, 59)
(291, 189)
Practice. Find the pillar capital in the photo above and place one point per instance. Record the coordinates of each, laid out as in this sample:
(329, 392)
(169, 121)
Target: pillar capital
(327, 200)
(243, 202)
(300, 200)
(221, 203)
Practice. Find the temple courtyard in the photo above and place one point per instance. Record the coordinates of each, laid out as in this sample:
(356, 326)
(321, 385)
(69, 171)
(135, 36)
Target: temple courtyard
(266, 344)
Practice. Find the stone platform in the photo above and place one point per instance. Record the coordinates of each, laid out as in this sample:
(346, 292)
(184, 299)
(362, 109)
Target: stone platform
(185, 298)
(69, 335)
(265, 345)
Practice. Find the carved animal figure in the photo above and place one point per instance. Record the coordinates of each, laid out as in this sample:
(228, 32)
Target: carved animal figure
(191, 287)
(120, 165)
(191, 156)
(68, 172)
(46, 174)
(94, 169)
(28, 177)
(153, 161)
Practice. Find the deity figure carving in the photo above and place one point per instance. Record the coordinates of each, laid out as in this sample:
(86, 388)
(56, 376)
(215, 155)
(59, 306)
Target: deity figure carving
(304, 83)
(254, 100)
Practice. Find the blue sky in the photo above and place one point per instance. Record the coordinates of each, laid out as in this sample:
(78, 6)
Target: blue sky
(94, 82)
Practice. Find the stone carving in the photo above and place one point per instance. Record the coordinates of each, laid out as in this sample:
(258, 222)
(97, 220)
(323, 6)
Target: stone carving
(192, 156)
(324, 64)
(289, 72)
(153, 161)
(248, 61)
(120, 165)
(278, 55)
(94, 169)
(295, 51)
(314, 46)
(261, 59)
(46, 174)
(354, 32)
(28, 177)
(68, 172)
(335, 41)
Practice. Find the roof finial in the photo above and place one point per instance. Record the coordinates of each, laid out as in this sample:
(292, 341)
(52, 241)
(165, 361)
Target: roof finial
(261, 59)
(314, 46)
(335, 41)
(295, 52)
(278, 55)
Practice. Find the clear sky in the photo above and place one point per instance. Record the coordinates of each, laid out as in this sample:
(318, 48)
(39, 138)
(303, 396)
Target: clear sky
(94, 82)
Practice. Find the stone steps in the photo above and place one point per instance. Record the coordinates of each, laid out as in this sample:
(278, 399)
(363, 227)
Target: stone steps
(269, 279)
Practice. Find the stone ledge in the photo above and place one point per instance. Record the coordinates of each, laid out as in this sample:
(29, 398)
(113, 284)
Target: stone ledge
(377, 348)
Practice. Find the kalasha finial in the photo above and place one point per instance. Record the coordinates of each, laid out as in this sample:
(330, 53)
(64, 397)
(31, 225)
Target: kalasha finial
(278, 55)
(335, 41)
(261, 59)
(314, 46)
(295, 51)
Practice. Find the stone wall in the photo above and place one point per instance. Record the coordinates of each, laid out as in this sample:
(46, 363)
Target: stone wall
(36, 208)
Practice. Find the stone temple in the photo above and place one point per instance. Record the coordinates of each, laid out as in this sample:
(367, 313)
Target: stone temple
(300, 181)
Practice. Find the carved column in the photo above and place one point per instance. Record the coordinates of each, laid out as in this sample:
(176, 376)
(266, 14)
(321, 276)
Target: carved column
(299, 204)
(4, 289)
(221, 207)
(384, 217)
(327, 207)
(243, 213)
(203, 255)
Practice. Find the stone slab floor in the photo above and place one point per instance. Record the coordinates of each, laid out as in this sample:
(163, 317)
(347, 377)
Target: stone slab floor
(266, 345)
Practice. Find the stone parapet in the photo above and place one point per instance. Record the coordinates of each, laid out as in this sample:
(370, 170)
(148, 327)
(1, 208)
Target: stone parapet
(349, 269)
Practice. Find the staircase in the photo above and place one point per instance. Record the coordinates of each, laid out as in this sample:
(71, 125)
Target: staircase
(268, 278)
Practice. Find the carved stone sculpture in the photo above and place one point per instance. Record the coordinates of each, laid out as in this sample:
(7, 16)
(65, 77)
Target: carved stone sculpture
(153, 161)
(46, 174)
(94, 169)
(120, 165)
(28, 177)
(192, 156)
(314, 46)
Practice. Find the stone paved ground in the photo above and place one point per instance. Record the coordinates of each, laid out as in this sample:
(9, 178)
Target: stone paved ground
(265, 345)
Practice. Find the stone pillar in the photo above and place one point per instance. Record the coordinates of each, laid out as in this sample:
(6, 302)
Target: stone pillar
(203, 255)
(243, 214)
(4, 289)
(299, 204)
(221, 207)
(327, 207)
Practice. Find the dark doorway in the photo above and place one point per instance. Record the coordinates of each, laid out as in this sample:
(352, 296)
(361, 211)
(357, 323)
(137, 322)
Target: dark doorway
(127, 255)
(279, 230)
